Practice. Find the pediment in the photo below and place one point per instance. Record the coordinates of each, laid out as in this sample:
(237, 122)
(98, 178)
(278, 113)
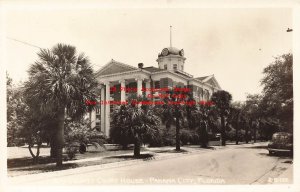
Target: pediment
(114, 67)
(212, 81)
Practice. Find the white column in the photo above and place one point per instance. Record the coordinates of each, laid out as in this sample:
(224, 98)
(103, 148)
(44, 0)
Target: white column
(93, 118)
(123, 93)
(107, 109)
(139, 86)
(102, 108)
(148, 88)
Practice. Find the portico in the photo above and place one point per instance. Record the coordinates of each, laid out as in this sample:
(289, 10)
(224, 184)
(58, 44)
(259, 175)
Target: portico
(117, 78)
(115, 90)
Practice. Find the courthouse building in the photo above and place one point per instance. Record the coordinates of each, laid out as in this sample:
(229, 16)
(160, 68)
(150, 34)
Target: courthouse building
(169, 73)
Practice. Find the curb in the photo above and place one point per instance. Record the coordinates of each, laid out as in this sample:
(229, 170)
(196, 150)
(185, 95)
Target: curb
(23, 179)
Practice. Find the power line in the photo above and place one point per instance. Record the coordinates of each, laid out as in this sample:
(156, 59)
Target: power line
(35, 46)
(29, 44)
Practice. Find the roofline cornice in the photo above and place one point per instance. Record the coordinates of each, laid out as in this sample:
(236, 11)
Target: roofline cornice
(117, 62)
(124, 73)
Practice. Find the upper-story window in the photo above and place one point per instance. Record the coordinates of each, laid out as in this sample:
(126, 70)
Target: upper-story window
(157, 84)
(174, 66)
(181, 68)
(165, 66)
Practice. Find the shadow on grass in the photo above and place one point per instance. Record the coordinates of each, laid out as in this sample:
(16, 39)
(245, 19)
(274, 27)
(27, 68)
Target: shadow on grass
(171, 151)
(129, 157)
(288, 161)
(27, 161)
(280, 155)
(50, 167)
(257, 147)
(198, 147)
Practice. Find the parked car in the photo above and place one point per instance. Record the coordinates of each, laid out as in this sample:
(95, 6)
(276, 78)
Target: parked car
(281, 142)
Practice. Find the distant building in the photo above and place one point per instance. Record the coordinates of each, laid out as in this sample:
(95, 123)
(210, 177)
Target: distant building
(169, 73)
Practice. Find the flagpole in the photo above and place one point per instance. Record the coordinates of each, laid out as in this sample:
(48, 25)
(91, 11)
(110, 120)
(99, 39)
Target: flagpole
(170, 36)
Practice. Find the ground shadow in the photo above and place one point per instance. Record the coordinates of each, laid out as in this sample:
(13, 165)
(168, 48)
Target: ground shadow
(280, 155)
(171, 151)
(50, 167)
(257, 147)
(126, 157)
(27, 161)
(198, 147)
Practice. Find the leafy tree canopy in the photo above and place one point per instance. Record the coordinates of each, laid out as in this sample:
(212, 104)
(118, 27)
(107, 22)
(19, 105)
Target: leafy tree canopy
(277, 98)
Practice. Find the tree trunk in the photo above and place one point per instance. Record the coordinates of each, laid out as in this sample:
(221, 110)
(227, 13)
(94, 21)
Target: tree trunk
(137, 148)
(254, 134)
(205, 138)
(177, 134)
(35, 156)
(53, 150)
(237, 131)
(53, 147)
(223, 134)
(236, 136)
(60, 137)
(168, 125)
(246, 134)
(203, 135)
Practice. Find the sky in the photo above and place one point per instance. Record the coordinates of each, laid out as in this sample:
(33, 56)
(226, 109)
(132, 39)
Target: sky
(234, 44)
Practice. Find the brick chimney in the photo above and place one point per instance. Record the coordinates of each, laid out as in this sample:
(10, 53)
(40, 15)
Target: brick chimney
(141, 65)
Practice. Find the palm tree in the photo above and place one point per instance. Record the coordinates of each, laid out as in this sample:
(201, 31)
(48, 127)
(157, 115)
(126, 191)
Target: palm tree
(172, 113)
(135, 122)
(221, 100)
(235, 115)
(60, 82)
(204, 116)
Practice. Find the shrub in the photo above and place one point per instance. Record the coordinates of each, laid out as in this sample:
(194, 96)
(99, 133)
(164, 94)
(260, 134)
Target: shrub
(230, 135)
(163, 138)
(72, 149)
(169, 139)
(185, 136)
(189, 137)
(78, 135)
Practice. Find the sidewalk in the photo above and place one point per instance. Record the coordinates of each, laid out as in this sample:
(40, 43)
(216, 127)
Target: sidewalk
(97, 163)
(159, 153)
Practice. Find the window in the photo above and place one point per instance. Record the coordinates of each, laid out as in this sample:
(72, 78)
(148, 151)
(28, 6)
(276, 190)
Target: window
(181, 68)
(165, 66)
(174, 66)
(157, 84)
(97, 109)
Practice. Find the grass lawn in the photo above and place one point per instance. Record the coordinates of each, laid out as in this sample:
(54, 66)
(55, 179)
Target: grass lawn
(25, 165)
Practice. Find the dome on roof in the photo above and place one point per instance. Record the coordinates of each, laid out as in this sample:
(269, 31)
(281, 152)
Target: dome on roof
(171, 51)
